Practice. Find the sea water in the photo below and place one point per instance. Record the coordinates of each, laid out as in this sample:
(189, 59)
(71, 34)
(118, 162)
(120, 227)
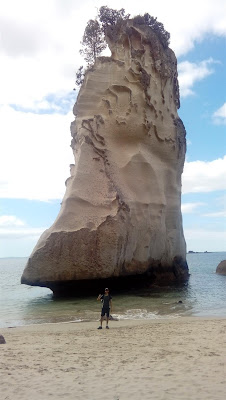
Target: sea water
(203, 295)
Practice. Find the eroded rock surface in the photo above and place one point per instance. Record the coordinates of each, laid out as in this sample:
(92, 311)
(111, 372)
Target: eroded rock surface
(121, 213)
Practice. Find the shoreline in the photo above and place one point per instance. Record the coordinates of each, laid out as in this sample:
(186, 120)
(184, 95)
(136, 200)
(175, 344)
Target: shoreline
(159, 319)
(135, 321)
(171, 358)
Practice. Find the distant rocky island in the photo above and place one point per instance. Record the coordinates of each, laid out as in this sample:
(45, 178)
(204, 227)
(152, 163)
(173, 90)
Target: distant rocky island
(120, 221)
(197, 252)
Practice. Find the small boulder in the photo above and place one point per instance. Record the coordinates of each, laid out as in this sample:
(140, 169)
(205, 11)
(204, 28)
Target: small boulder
(221, 268)
(2, 340)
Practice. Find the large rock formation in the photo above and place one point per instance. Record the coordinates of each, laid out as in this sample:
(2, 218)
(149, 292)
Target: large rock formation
(121, 216)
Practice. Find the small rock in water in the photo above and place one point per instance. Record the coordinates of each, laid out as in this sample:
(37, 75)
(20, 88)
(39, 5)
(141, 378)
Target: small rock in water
(2, 340)
(221, 268)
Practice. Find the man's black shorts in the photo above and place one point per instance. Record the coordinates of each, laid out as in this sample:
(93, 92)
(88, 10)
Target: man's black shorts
(105, 311)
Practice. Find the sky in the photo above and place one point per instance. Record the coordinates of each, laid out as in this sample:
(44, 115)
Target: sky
(39, 55)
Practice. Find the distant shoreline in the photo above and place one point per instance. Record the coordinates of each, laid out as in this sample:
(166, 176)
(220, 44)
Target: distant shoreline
(189, 252)
(205, 252)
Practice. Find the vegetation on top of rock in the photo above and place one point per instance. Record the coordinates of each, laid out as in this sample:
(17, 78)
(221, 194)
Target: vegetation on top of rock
(110, 17)
(108, 23)
(156, 26)
(80, 76)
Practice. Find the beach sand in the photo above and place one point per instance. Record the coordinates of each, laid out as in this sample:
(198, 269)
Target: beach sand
(182, 358)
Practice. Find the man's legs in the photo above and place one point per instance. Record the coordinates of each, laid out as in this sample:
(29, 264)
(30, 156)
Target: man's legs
(107, 318)
(101, 320)
(104, 313)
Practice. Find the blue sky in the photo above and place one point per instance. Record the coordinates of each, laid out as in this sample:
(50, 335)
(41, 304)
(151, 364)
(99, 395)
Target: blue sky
(39, 55)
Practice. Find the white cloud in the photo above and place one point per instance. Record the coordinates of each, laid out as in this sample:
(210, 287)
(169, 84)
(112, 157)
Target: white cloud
(189, 208)
(204, 176)
(219, 116)
(190, 73)
(190, 21)
(199, 239)
(39, 49)
(27, 81)
(219, 214)
(35, 154)
(15, 40)
(10, 221)
(12, 227)
(21, 233)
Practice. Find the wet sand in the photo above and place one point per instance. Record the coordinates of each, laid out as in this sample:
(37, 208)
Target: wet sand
(182, 358)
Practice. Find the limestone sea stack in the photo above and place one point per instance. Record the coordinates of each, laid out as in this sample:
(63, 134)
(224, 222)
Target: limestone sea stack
(120, 221)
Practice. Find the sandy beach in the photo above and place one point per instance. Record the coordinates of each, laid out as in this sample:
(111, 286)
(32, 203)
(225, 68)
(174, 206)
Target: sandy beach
(162, 359)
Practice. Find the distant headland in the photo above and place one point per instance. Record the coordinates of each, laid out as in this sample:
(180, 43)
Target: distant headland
(195, 252)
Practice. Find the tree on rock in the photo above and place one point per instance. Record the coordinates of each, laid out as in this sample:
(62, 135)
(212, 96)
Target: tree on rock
(110, 17)
(108, 24)
(156, 27)
(93, 42)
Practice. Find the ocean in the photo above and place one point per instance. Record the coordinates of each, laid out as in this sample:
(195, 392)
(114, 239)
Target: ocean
(203, 295)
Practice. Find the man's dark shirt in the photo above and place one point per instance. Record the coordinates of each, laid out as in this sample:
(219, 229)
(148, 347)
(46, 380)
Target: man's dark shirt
(105, 301)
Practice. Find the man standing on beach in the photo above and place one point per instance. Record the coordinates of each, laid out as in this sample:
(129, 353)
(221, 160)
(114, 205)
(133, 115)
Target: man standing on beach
(106, 306)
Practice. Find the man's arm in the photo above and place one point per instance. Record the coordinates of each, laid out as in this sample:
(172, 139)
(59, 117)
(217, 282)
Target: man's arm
(110, 303)
(99, 297)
